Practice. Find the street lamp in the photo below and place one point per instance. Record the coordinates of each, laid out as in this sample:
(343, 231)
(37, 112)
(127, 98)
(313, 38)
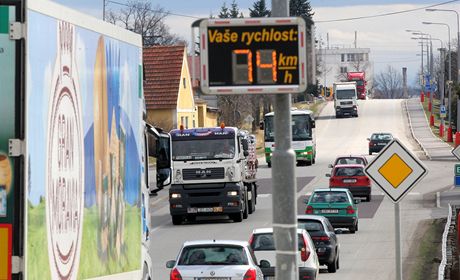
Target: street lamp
(449, 130)
(457, 134)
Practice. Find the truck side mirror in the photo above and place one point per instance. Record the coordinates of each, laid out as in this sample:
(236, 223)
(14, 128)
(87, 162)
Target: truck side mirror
(261, 125)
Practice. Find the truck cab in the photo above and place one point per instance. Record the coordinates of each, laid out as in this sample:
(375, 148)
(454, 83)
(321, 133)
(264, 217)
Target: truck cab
(345, 99)
(210, 174)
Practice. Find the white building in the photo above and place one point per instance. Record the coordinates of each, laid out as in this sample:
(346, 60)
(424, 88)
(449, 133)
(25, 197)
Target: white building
(335, 62)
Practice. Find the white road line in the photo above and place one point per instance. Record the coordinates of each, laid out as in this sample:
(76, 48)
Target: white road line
(264, 195)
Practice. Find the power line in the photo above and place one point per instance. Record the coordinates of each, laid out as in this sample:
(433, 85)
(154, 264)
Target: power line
(385, 14)
(153, 10)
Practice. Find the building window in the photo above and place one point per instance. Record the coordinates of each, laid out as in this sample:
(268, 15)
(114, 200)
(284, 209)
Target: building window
(366, 57)
(182, 121)
(184, 81)
(361, 57)
(193, 122)
(186, 122)
(343, 57)
(343, 70)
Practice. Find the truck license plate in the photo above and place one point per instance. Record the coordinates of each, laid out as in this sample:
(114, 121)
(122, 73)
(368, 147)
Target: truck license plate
(195, 210)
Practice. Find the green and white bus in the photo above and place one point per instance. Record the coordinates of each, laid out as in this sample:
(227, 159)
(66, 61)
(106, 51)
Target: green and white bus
(303, 136)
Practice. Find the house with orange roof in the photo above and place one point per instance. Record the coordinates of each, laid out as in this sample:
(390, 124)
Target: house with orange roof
(168, 90)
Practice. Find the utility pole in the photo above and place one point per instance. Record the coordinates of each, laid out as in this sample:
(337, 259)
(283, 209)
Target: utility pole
(284, 183)
(404, 72)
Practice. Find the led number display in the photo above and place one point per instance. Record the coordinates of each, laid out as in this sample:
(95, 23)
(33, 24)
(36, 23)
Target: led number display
(242, 56)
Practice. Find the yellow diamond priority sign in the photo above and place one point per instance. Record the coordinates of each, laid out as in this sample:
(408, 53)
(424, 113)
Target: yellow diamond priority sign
(396, 170)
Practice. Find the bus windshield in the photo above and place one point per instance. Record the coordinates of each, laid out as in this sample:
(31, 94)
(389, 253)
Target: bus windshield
(203, 149)
(301, 128)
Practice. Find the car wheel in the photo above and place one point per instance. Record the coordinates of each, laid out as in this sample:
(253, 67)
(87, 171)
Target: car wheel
(309, 162)
(370, 153)
(332, 267)
(356, 226)
(338, 262)
(368, 198)
(352, 229)
(237, 217)
(176, 219)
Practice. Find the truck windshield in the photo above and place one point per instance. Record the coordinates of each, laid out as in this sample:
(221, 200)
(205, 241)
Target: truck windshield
(202, 149)
(301, 128)
(345, 94)
(360, 83)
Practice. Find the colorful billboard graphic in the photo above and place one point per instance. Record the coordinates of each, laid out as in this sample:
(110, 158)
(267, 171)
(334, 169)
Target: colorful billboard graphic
(85, 157)
(7, 115)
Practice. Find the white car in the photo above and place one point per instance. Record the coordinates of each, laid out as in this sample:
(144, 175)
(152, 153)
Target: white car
(263, 245)
(216, 259)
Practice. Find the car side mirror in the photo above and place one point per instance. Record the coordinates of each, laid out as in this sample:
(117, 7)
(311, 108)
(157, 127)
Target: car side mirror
(265, 264)
(357, 200)
(170, 264)
(330, 165)
(328, 175)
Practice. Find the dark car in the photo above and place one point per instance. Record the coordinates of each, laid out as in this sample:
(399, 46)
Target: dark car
(350, 159)
(352, 177)
(323, 235)
(378, 141)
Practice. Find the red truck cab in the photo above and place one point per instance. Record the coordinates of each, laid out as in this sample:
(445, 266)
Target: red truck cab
(360, 79)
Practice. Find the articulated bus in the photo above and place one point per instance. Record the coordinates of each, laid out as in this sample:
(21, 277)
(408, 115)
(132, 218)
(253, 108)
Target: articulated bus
(303, 136)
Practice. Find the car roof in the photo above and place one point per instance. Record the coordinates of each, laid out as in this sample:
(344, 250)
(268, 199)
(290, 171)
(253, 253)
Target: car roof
(348, 165)
(350, 156)
(380, 133)
(311, 217)
(216, 242)
(331, 190)
(270, 230)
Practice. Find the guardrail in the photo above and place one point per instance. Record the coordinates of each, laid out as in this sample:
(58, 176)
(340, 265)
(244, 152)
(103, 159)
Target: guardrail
(448, 245)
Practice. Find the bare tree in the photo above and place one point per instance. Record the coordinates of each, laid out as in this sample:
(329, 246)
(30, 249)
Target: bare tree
(139, 16)
(389, 83)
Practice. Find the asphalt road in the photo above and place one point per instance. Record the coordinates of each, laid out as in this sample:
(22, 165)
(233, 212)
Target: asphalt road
(369, 252)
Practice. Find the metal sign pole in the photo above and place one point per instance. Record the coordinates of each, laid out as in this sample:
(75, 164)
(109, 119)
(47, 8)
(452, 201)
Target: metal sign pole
(398, 259)
(284, 183)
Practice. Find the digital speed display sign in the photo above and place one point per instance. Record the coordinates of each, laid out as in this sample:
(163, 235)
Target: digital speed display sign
(251, 56)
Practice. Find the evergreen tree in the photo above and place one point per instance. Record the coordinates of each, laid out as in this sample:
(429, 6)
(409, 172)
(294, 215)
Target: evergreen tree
(224, 12)
(259, 9)
(235, 11)
(301, 8)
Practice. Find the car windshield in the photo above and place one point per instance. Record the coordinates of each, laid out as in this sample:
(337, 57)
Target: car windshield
(329, 197)
(349, 171)
(202, 149)
(381, 137)
(350, 160)
(310, 225)
(213, 255)
(265, 242)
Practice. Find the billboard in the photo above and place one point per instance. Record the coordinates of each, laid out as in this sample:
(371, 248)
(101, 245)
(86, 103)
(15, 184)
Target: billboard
(83, 120)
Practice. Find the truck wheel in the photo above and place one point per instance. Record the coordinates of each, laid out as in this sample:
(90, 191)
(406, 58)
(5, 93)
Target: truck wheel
(246, 206)
(252, 202)
(176, 219)
(237, 217)
(269, 164)
(309, 162)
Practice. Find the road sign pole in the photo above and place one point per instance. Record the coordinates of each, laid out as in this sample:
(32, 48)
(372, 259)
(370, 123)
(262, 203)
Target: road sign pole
(398, 259)
(284, 183)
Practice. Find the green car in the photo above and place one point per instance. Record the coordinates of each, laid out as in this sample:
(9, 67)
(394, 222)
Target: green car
(337, 204)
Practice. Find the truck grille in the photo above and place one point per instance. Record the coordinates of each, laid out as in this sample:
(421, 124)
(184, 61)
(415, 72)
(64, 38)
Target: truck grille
(203, 173)
(346, 103)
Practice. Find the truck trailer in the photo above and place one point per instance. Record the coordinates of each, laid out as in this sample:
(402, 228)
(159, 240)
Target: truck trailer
(74, 147)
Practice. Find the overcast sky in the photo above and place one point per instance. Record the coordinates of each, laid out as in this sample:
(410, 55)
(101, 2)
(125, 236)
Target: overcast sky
(390, 44)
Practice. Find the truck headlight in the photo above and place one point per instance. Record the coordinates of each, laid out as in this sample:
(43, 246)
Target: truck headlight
(178, 175)
(230, 172)
(175, 195)
(232, 193)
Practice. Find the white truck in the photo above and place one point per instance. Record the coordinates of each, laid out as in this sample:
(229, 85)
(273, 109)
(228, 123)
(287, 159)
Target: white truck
(345, 99)
(213, 173)
(74, 195)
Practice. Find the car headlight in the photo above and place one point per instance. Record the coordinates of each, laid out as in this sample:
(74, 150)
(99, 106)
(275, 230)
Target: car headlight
(175, 195)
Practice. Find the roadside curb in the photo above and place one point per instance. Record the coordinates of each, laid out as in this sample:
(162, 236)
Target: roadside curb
(412, 130)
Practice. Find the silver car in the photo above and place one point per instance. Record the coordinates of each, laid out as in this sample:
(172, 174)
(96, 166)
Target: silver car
(216, 259)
